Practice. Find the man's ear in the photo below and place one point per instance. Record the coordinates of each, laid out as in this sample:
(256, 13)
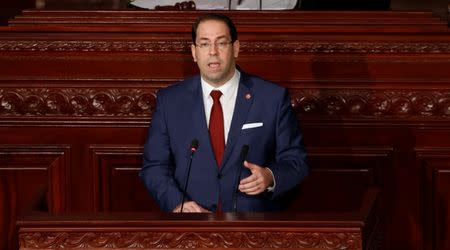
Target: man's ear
(193, 52)
(236, 48)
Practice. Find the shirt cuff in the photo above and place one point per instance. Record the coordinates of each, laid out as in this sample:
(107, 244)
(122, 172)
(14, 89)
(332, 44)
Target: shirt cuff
(270, 189)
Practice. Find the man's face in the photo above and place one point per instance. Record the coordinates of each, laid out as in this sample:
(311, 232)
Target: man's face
(216, 61)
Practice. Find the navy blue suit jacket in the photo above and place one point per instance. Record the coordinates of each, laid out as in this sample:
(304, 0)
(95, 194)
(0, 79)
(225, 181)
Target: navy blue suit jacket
(180, 117)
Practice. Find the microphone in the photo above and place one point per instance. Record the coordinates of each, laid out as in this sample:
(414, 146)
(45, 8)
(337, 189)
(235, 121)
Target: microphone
(244, 152)
(193, 149)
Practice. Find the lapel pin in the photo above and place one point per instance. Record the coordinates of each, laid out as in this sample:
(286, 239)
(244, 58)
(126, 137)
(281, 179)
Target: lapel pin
(248, 96)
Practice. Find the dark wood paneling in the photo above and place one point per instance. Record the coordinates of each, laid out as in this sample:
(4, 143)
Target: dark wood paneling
(435, 163)
(116, 181)
(87, 103)
(368, 88)
(32, 178)
(349, 170)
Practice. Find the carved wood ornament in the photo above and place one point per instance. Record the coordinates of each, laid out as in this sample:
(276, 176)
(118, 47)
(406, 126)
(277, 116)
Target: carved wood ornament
(174, 240)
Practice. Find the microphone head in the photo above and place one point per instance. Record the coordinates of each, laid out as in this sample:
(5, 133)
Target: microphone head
(194, 145)
(244, 152)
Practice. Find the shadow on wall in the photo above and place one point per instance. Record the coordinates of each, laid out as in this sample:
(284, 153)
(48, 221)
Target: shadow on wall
(338, 103)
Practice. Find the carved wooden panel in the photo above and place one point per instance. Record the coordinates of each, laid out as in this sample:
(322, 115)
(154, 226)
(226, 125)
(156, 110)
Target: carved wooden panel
(193, 240)
(348, 170)
(77, 102)
(118, 103)
(183, 46)
(435, 163)
(369, 103)
(32, 177)
(117, 185)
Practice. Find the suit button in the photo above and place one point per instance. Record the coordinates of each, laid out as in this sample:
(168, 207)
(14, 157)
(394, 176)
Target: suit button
(219, 176)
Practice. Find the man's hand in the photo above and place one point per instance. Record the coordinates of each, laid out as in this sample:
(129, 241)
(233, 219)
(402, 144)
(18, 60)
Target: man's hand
(190, 207)
(258, 182)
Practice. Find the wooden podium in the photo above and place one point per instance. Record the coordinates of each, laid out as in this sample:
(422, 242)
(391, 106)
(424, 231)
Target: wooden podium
(356, 228)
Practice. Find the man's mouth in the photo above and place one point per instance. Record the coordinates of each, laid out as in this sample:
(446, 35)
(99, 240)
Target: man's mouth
(214, 65)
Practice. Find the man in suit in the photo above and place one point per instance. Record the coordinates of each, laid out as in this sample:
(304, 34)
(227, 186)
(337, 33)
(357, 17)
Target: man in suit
(226, 111)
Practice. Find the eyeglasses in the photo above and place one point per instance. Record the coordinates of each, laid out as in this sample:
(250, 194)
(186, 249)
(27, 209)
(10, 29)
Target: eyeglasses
(207, 45)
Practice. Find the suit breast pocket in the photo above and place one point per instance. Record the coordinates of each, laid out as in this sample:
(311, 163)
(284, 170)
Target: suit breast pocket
(252, 130)
(257, 138)
(261, 142)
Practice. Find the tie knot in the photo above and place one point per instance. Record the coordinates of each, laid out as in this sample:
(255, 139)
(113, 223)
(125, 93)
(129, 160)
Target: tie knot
(216, 94)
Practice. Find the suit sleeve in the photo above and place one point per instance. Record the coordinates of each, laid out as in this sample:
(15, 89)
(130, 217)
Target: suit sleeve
(290, 166)
(158, 165)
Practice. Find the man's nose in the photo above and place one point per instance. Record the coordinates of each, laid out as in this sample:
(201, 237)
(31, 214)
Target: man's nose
(213, 49)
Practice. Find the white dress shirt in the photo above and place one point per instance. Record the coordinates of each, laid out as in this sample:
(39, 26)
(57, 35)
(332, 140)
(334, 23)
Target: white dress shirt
(227, 100)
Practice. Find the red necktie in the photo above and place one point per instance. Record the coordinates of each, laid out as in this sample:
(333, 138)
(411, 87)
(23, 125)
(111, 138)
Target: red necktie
(216, 132)
(216, 129)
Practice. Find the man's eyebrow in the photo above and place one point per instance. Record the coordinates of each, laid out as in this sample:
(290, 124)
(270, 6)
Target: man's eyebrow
(207, 39)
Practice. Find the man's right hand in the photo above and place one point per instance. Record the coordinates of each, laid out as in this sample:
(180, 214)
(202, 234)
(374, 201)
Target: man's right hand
(190, 207)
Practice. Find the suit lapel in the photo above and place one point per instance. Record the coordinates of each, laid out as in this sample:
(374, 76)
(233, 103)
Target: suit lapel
(244, 100)
(199, 124)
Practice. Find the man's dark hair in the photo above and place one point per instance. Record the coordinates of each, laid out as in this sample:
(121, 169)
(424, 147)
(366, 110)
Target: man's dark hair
(217, 17)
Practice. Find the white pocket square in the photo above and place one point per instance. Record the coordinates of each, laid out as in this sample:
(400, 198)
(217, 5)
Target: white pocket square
(252, 125)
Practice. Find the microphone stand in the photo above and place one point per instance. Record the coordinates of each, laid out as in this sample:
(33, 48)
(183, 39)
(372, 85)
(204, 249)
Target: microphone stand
(194, 146)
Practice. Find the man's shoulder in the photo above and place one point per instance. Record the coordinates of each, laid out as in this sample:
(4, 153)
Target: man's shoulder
(259, 84)
(180, 87)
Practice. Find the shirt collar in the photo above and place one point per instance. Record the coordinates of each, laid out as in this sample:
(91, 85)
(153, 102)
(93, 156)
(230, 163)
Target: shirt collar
(226, 88)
